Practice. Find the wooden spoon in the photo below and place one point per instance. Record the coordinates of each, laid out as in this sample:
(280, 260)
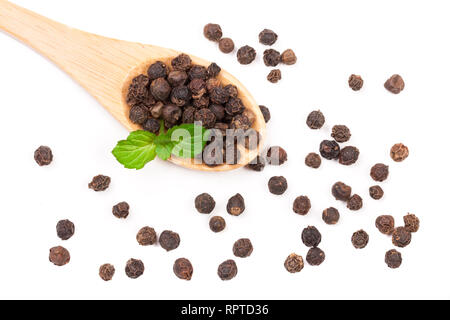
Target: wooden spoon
(105, 68)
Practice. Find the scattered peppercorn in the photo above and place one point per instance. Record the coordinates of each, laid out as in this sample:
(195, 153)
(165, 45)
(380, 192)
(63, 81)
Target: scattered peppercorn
(348, 155)
(226, 45)
(217, 224)
(169, 240)
(267, 37)
(246, 55)
(204, 203)
(341, 133)
(399, 152)
(379, 172)
(341, 191)
(106, 272)
(65, 229)
(277, 185)
(385, 224)
(288, 57)
(99, 183)
(313, 160)
(146, 236)
(43, 156)
(376, 192)
(157, 70)
(393, 259)
(242, 248)
(311, 237)
(265, 112)
(276, 156)
(355, 202)
(294, 263)
(257, 164)
(315, 256)
(227, 270)
(315, 120)
(330, 215)
(412, 223)
(183, 269)
(302, 205)
(329, 149)
(355, 82)
(395, 84)
(360, 239)
(121, 210)
(236, 205)
(274, 76)
(134, 268)
(59, 256)
(271, 57)
(212, 32)
(401, 237)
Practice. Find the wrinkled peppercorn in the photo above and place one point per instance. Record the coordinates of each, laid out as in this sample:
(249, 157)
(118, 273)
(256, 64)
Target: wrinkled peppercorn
(379, 172)
(171, 114)
(234, 106)
(257, 164)
(355, 82)
(311, 237)
(204, 203)
(355, 202)
(183, 269)
(265, 112)
(302, 205)
(202, 102)
(218, 110)
(146, 236)
(213, 70)
(121, 210)
(315, 256)
(401, 237)
(294, 263)
(206, 117)
(99, 183)
(180, 96)
(329, 149)
(211, 84)
(188, 115)
(240, 122)
(226, 45)
(177, 78)
(360, 239)
(393, 259)
(65, 229)
(399, 152)
(151, 125)
(277, 185)
(232, 90)
(212, 32)
(134, 268)
(138, 91)
(198, 72)
(106, 272)
(227, 270)
(274, 76)
(330, 215)
(313, 160)
(395, 84)
(271, 57)
(169, 240)
(246, 55)
(138, 114)
(341, 133)
(288, 57)
(385, 224)
(267, 37)
(276, 156)
(43, 156)
(243, 248)
(219, 95)
(236, 205)
(160, 89)
(412, 223)
(217, 224)
(157, 70)
(348, 155)
(376, 192)
(341, 191)
(59, 256)
(315, 120)
(182, 62)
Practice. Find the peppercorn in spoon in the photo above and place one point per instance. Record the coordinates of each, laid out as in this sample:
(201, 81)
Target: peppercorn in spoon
(106, 67)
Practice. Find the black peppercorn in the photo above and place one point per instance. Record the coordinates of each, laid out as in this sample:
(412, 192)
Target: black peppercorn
(401, 237)
(43, 156)
(219, 95)
(267, 37)
(315, 256)
(177, 78)
(376, 192)
(206, 117)
(311, 237)
(232, 90)
(217, 224)
(395, 84)
(412, 223)
(276, 156)
(257, 164)
(121, 210)
(212, 83)
(171, 114)
(330, 216)
(182, 62)
(180, 96)
(213, 70)
(315, 120)
(138, 114)
(278, 185)
(65, 229)
(226, 45)
(294, 263)
(183, 269)
(274, 76)
(348, 155)
(329, 149)
(360, 239)
(151, 125)
(212, 32)
(169, 240)
(188, 115)
(106, 272)
(341, 133)
(313, 160)
(240, 121)
(246, 55)
(157, 70)
(385, 224)
(227, 270)
(355, 202)
(265, 112)
(236, 205)
(302, 205)
(204, 203)
(59, 256)
(355, 82)
(198, 72)
(134, 268)
(197, 87)
(218, 110)
(99, 183)
(234, 106)
(146, 236)
(393, 259)
(243, 248)
(341, 191)
(379, 172)
(160, 89)
(138, 90)
(271, 57)
(202, 102)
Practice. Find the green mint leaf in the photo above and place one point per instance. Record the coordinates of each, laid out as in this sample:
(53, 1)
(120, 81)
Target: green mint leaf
(164, 151)
(188, 140)
(137, 150)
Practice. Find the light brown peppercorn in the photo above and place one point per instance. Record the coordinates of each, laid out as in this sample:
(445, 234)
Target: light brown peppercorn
(43, 156)
(226, 45)
(294, 263)
(183, 269)
(146, 236)
(399, 152)
(355, 202)
(376, 192)
(59, 256)
(106, 272)
(313, 160)
(355, 82)
(395, 84)
(212, 32)
(385, 224)
(412, 223)
(379, 172)
(288, 57)
(302, 205)
(340, 133)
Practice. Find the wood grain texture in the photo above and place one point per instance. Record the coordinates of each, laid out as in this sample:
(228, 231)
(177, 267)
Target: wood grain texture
(105, 67)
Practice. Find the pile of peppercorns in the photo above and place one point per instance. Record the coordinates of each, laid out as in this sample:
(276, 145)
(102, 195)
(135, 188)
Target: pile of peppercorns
(247, 54)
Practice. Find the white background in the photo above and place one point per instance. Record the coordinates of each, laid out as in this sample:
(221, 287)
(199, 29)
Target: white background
(332, 39)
